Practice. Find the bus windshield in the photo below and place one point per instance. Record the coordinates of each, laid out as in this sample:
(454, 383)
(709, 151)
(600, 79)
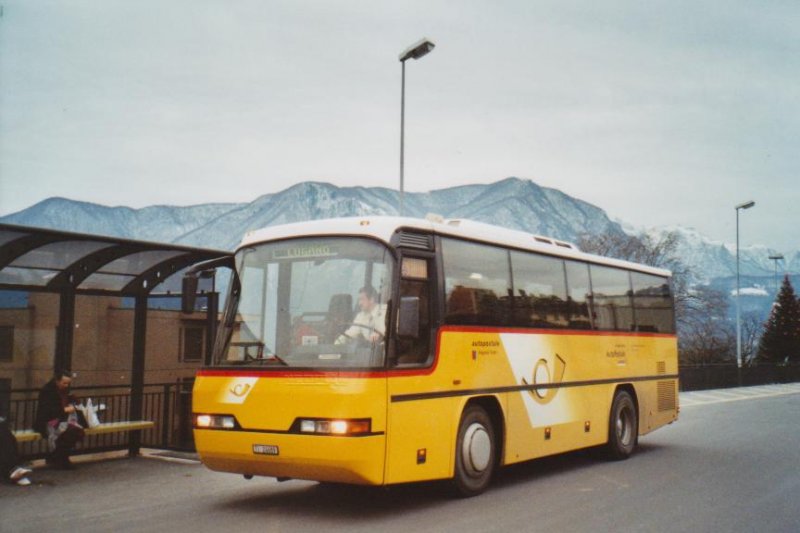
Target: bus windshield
(309, 303)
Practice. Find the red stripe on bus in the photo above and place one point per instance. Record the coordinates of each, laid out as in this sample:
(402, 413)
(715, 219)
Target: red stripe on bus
(499, 330)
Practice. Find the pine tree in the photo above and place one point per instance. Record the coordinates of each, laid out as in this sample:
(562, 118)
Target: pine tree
(781, 339)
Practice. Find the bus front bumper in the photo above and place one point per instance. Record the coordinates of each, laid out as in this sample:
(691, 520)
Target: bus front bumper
(339, 459)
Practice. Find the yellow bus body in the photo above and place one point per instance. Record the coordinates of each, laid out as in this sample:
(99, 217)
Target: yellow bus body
(548, 391)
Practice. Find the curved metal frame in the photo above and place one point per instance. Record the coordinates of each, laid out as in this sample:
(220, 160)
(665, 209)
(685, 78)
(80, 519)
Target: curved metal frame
(67, 283)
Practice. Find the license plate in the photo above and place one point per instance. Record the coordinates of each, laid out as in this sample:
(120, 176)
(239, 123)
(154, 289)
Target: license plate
(265, 449)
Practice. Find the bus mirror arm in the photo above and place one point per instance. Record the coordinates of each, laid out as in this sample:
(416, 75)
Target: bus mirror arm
(189, 292)
(408, 317)
(206, 269)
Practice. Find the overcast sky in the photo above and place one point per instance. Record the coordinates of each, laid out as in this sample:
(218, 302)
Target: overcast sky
(662, 113)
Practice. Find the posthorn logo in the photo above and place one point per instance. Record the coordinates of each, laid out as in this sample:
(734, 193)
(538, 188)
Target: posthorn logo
(547, 376)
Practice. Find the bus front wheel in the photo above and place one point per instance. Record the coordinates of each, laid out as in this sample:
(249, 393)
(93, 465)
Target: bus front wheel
(476, 456)
(623, 427)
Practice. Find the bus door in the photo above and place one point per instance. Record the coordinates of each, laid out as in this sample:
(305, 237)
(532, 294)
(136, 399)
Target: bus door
(418, 441)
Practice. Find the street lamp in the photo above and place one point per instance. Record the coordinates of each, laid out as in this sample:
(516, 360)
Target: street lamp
(776, 258)
(415, 51)
(746, 205)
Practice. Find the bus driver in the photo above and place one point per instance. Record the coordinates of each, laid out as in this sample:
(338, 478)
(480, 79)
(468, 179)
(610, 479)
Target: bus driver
(370, 322)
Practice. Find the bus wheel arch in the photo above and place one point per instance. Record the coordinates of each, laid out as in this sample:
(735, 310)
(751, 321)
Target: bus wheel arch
(479, 444)
(623, 423)
(630, 389)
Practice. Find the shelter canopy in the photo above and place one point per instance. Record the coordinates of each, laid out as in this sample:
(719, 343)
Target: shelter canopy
(58, 261)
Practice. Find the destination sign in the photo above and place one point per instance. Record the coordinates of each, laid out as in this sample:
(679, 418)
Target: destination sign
(305, 251)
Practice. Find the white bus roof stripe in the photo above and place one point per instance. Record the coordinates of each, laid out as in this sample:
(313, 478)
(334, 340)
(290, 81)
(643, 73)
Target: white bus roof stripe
(384, 227)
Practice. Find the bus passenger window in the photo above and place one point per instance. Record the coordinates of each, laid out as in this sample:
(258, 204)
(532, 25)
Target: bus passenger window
(477, 284)
(540, 291)
(578, 295)
(653, 303)
(611, 299)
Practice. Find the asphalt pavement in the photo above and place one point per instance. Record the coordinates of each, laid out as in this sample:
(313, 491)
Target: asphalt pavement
(730, 463)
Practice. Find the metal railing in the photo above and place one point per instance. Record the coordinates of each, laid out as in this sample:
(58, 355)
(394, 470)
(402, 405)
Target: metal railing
(167, 405)
(721, 376)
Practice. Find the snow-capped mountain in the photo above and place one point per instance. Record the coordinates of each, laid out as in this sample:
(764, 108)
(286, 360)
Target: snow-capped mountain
(158, 223)
(512, 202)
(709, 259)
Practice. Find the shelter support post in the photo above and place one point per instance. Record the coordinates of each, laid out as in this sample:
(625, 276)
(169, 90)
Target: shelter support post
(137, 370)
(65, 330)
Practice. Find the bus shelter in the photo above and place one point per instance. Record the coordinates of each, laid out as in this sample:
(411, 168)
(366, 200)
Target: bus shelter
(44, 272)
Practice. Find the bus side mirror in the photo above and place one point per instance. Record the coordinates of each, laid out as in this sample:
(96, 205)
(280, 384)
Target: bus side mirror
(408, 317)
(188, 293)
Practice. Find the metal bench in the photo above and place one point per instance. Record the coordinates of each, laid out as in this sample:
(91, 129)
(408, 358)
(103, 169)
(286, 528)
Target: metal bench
(29, 435)
(26, 435)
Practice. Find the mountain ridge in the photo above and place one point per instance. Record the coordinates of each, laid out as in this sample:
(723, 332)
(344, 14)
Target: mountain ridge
(511, 202)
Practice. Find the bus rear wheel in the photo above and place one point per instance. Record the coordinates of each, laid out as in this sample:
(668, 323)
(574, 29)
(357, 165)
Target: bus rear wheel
(623, 427)
(476, 456)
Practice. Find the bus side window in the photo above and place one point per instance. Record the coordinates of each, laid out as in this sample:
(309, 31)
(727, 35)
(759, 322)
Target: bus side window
(540, 291)
(477, 284)
(653, 303)
(414, 283)
(611, 299)
(578, 293)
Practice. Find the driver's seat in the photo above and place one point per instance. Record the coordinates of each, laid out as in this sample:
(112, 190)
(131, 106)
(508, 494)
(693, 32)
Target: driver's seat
(340, 315)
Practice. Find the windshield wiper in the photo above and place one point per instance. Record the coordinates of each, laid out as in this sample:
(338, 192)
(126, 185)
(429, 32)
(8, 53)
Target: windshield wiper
(275, 357)
(260, 356)
(269, 358)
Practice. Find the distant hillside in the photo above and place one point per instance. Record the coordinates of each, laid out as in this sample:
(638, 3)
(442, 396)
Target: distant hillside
(512, 203)
(713, 259)
(159, 223)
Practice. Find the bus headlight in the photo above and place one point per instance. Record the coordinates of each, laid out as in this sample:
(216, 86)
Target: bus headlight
(214, 421)
(357, 426)
(339, 427)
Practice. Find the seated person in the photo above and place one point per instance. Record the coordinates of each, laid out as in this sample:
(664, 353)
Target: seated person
(57, 419)
(370, 322)
(10, 467)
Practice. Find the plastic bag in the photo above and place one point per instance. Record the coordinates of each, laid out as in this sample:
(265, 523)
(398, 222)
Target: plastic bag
(90, 413)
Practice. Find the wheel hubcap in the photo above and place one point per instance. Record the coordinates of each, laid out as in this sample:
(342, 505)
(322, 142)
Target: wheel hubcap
(476, 449)
(624, 424)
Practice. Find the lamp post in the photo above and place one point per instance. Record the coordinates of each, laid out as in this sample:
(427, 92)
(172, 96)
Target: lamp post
(776, 258)
(746, 205)
(415, 51)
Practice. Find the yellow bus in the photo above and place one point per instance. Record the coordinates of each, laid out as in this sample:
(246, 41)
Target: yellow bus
(384, 350)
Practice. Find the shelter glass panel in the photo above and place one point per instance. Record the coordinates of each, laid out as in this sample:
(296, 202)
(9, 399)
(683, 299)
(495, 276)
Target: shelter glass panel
(33, 316)
(108, 282)
(37, 277)
(59, 255)
(7, 236)
(139, 262)
(167, 344)
(102, 342)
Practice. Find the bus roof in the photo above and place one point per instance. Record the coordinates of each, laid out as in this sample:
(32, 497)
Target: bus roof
(384, 227)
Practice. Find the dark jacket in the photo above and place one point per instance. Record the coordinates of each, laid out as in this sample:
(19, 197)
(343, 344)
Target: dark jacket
(49, 408)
